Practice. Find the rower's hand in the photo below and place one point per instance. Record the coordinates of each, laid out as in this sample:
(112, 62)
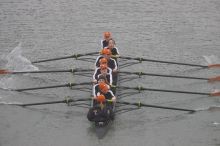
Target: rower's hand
(115, 56)
(104, 73)
(114, 99)
(94, 97)
(94, 81)
(115, 70)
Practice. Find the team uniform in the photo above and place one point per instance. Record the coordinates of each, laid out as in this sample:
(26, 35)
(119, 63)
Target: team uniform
(104, 43)
(111, 63)
(108, 76)
(114, 50)
(106, 36)
(97, 92)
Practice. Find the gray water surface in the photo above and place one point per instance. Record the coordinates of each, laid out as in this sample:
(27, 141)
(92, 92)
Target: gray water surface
(182, 31)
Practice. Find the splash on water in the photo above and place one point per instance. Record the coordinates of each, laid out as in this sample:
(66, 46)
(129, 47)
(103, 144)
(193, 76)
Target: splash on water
(215, 123)
(6, 82)
(212, 59)
(17, 62)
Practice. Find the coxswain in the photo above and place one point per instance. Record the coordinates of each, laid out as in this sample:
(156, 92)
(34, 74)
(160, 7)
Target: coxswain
(103, 70)
(100, 112)
(106, 53)
(106, 36)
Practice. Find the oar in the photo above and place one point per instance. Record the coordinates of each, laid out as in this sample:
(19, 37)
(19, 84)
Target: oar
(170, 62)
(66, 57)
(139, 104)
(217, 78)
(139, 88)
(55, 86)
(49, 102)
(4, 71)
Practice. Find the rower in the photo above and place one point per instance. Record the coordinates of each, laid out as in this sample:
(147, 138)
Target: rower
(104, 42)
(106, 53)
(103, 88)
(103, 70)
(111, 46)
(102, 78)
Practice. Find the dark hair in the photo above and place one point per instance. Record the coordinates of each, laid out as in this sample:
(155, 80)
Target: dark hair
(112, 40)
(103, 77)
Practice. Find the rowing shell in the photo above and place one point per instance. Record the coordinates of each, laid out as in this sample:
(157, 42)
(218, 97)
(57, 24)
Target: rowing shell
(101, 128)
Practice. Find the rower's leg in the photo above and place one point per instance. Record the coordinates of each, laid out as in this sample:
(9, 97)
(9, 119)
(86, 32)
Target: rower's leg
(112, 115)
(114, 78)
(91, 114)
(109, 112)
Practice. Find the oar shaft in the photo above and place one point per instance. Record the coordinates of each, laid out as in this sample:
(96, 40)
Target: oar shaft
(171, 108)
(162, 75)
(42, 103)
(65, 57)
(47, 71)
(160, 61)
(156, 106)
(53, 102)
(163, 90)
(37, 88)
(53, 59)
(52, 71)
(55, 86)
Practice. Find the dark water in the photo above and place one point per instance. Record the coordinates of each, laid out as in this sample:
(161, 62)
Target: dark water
(183, 31)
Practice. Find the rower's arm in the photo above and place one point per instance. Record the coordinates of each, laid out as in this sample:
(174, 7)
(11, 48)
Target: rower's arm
(94, 90)
(110, 79)
(95, 75)
(115, 56)
(116, 67)
(97, 62)
(114, 98)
